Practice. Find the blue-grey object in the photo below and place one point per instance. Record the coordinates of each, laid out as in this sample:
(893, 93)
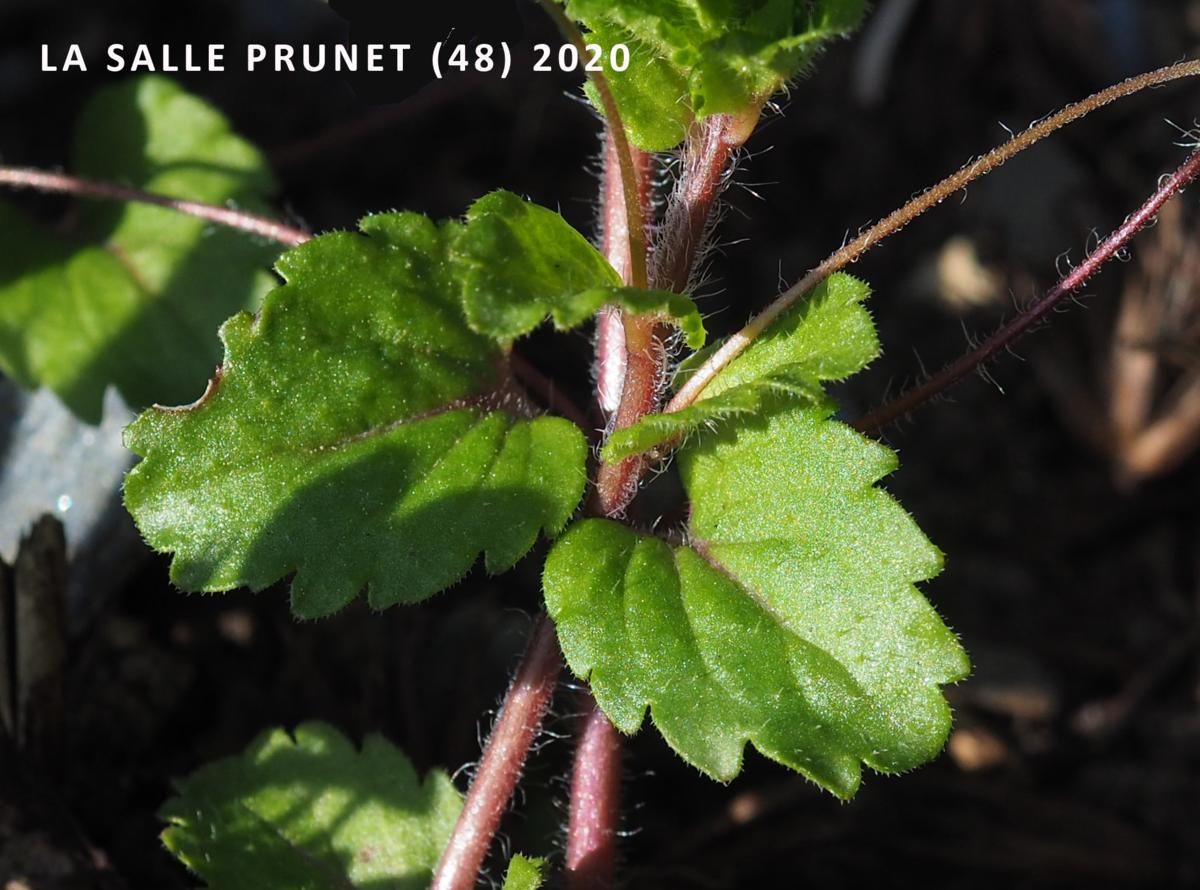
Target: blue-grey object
(1124, 27)
(51, 462)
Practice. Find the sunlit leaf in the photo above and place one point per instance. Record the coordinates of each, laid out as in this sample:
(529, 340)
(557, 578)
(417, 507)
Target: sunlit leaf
(359, 434)
(789, 620)
(693, 58)
(523, 263)
(827, 336)
(523, 873)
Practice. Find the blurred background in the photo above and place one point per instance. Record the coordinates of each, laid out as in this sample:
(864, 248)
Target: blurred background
(1063, 488)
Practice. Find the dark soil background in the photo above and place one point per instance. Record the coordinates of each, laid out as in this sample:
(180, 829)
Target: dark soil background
(1075, 761)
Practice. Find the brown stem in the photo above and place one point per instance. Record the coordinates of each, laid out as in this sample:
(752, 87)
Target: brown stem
(1070, 283)
(43, 181)
(503, 759)
(595, 803)
(898, 219)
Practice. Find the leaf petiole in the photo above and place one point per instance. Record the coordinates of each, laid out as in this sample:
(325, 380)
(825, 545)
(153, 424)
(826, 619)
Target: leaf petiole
(61, 183)
(898, 219)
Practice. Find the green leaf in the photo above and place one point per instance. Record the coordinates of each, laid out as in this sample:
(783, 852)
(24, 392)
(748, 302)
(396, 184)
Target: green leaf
(358, 434)
(309, 812)
(827, 336)
(523, 263)
(650, 122)
(790, 620)
(134, 296)
(524, 873)
(703, 57)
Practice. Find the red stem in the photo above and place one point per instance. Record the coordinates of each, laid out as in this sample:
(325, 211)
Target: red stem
(24, 177)
(629, 357)
(679, 247)
(503, 759)
(645, 362)
(1070, 283)
(595, 803)
(611, 351)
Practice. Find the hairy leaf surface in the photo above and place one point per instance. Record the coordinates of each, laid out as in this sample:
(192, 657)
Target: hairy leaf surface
(790, 620)
(827, 336)
(310, 812)
(359, 434)
(524, 873)
(524, 263)
(133, 296)
(694, 57)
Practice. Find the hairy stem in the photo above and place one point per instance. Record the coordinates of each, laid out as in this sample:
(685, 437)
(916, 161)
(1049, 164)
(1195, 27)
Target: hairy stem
(900, 218)
(503, 759)
(625, 376)
(611, 352)
(678, 250)
(1070, 283)
(680, 246)
(60, 183)
(595, 803)
(645, 362)
(631, 358)
(635, 224)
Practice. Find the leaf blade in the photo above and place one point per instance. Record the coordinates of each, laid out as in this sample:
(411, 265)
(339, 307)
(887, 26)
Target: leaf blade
(133, 301)
(826, 337)
(691, 58)
(770, 627)
(360, 434)
(308, 810)
(524, 263)
(524, 873)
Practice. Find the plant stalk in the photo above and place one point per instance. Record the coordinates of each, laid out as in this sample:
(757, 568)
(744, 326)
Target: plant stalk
(503, 759)
(898, 219)
(678, 251)
(61, 183)
(626, 375)
(631, 359)
(1069, 283)
(635, 225)
(611, 350)
(595, 802)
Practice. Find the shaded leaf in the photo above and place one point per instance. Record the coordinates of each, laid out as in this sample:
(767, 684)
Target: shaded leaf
(310, 812)
(360, 434)
(134, 297)
(523, 263)
(790, 621)
(827, 336)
